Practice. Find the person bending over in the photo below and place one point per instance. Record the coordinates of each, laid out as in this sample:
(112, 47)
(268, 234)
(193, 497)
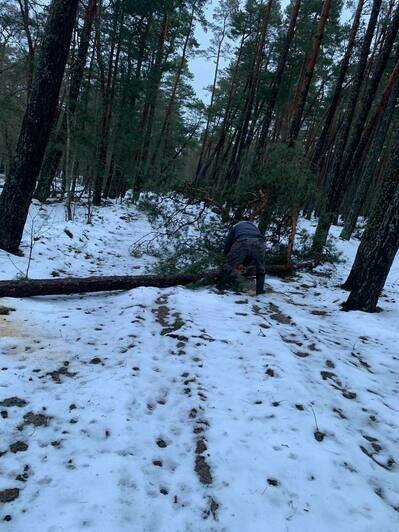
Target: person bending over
(244, 249)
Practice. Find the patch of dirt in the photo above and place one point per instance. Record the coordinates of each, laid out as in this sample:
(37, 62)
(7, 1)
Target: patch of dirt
(5, 311)
(203, 470)
(18, 447)
(9, 495)
(13, 401)
(349, 395)
(162, 316)
(278, 315)
(291, 341)
(302, 354)
(388, 465)
(363, 362)
(56, 375)
(330, 375)
(212, 509)
(25, 475)
(339, 412)
(319, 436)
(8, 330)
(37, 420)
(95, 360)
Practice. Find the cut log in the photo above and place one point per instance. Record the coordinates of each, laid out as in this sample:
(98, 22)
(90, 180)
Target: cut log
(76, 285)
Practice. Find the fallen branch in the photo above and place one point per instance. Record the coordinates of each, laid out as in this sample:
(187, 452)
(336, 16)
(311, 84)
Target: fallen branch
(76, 285)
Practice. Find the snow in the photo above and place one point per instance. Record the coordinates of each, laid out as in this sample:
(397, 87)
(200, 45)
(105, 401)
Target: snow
(190, 410)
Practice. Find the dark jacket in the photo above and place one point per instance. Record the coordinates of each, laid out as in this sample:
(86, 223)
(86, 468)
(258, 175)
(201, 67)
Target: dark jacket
(240, 231)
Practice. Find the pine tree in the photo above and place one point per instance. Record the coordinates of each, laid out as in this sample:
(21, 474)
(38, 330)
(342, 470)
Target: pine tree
(38, 120)
(379, 244)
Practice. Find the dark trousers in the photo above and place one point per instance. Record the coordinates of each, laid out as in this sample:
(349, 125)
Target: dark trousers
(245, 254)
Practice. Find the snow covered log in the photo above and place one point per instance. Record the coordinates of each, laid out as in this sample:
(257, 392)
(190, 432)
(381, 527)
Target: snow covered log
(77, 285)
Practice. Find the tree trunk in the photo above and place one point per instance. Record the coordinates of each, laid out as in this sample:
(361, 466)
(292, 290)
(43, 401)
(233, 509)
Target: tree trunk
(379, 246)
(275, 89)
(213, 159)
(379, 243)
(373, 122)
(308, 75)
(36, 126)
(320, 145)
(334, 186)
(24, 9)
(147, 123)
(234, 167)
(367, 174)
(163, 136)
(55, 151)
(108, 91)
(76, 285)
(349, 162)
(210, 108)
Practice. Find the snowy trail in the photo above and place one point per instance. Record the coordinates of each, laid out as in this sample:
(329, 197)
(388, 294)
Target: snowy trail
(184, 410)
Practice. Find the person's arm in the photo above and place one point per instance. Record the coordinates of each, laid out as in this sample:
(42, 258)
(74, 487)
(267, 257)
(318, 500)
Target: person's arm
(229, 241)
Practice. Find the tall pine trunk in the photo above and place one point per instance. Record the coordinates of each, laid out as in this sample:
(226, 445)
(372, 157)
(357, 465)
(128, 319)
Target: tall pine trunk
(321, 142)
(37, 123)
(379, 245)
(350, 159)
(107, 92)
(333, 189)
(275, 89)
(55, 150)
(367, 173)
(304, 85)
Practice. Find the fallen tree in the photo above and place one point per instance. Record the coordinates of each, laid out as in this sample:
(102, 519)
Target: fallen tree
(77, 285)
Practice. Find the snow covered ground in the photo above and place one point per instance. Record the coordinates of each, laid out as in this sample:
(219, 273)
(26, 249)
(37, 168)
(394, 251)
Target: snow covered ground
(188, 410)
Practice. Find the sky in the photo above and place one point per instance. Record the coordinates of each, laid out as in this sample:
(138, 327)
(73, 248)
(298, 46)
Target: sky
(201, 68)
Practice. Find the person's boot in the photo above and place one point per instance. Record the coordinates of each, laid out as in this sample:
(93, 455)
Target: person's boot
(260, 284)
(224, 281)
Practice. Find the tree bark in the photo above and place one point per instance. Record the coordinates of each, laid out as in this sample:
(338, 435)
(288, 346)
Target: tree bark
(108, 91)
(75, 285)
(204, 144)
(275, 89)
(378, 248)
(36, 126)
(308, 75)
(379, 244)
(56, 148)
(333, 188)
(163, 136)
(24, 9)
(366, 174)
(321, 142)
(349, 161)
(241, 141)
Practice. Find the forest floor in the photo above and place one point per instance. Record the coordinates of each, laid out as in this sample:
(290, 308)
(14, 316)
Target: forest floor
(190, 410)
